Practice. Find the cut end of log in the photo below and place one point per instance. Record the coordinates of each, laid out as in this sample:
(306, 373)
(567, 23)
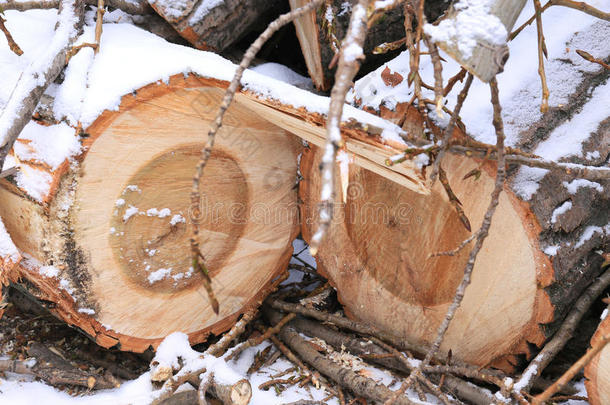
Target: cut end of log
(111, 249)
(597, 372)
(378, 252)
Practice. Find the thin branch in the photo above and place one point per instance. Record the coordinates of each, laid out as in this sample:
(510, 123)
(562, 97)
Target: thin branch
(565, 332)
(450, 127)
(590, 58)
(455, 202)
(459, 76)
(582, 6)
(438, 74)
(9, 38)
(544, 105)
(207, 150)
(258, 340)
(98, 24)
(349, 64)
(568, 375)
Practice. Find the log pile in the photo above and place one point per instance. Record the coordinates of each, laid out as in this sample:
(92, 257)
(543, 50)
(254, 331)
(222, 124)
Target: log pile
(431, 250)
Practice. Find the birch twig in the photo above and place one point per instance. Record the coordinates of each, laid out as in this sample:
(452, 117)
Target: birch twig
(349, 64)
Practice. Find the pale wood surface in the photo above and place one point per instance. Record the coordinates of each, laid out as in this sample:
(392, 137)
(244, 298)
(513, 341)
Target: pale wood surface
(597, 372)
(376, 253)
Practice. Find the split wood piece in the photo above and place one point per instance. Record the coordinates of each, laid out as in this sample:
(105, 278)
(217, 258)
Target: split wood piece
(318, 33)
(597, 372)
(363, 142)
(377, 255)
(486, 59)
(115, 227)
(214, 25)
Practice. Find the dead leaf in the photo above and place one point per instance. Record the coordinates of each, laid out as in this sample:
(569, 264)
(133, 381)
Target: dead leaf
(391, 79)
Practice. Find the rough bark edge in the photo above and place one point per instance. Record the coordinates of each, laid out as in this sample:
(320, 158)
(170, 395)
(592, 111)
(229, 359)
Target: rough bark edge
(591, 374)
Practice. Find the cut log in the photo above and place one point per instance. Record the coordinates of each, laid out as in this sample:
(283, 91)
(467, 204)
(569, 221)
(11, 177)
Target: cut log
(317, 31)
(377, 252)
(214, 25)
(107, 249)
(597, 372)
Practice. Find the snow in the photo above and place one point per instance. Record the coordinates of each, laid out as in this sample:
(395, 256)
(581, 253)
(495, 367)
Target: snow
(562, 209)
(576, 184)
(8, 250)
(588, 234)
(158, 275)
(176, 219)
(174, 9)
(471, 24)
(34, 74)
(50, 145)
(551, 250)
(49, 271)
(284, 74)
(130, 212)
(205, 6)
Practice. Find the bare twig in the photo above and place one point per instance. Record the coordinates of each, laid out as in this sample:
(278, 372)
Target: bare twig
(9, 172)
(450, 127)
(565, 332)
(584, 7)
(258, 340)
(455, 251)
(459, 76)
(455, 202)
(544, 105)
(98, 24)
(438, 74)
(203, 389)
(207, 150)
(9, 38)
(590, 58)
(221, 346)
(568, 375)
(349, 64)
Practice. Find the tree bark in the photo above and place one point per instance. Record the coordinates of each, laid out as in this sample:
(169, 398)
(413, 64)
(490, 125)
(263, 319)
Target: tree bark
(214, 25)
